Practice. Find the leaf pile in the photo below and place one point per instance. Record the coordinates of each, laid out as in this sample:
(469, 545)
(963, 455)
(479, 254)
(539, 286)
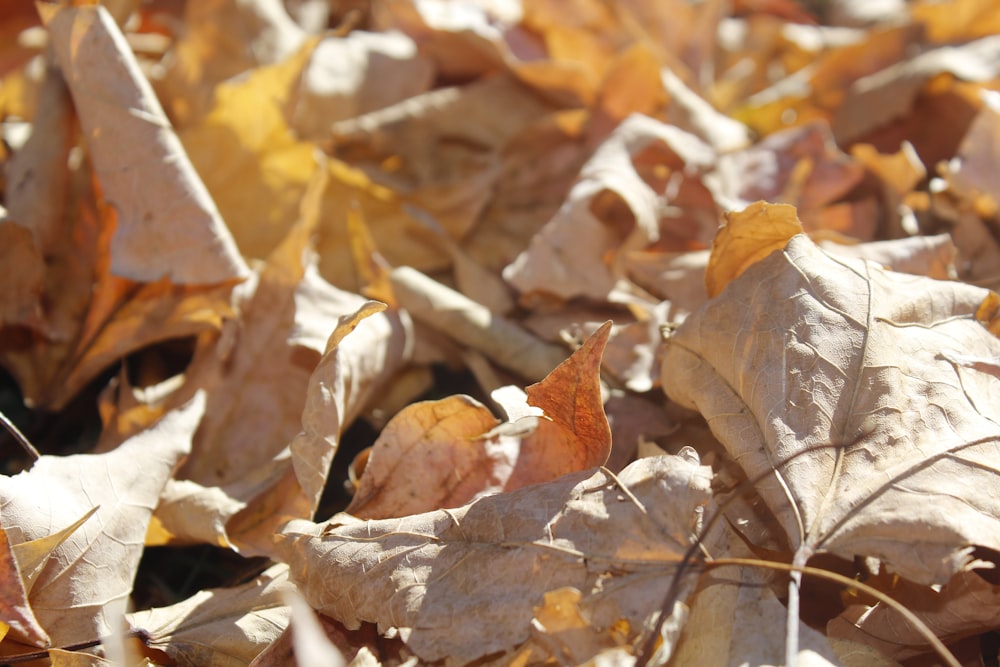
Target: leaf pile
(716, 279)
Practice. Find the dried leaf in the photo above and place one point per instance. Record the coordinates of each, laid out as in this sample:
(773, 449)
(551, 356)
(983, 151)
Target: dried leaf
(224, 627)
(14, 607)
(480, 570)
(93, 568)
(614, 208)
(444, 453)
(172, 229)
(824, 379)
(966, 605)
(749, 236)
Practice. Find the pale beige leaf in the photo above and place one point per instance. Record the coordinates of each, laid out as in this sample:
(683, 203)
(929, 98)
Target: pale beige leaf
(94, 567)
(738, 620)
(353, 75)
(364, 350)
(256, 388)
(168, 224)
(480, 570)
(613, 209)
(473, 325)
(311, 645)
(222, 627)
(827, 380)
(802, 166)
(33, 555)
(447, 144)
(931, 256)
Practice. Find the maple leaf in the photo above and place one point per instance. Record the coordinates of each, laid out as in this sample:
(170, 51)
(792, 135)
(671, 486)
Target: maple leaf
(875, 440)
(86, 578)
(481, 569)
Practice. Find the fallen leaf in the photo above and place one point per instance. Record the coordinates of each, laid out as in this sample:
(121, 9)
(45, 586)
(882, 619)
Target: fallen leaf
(218, 41)
(225, 627)
(254, 166)
(353, 75)
(445, 453)
(749, 236)
(158, 228)
(893, 91)
(823, 378)
(92, 570)
(17, 613)
(965, 606)
(613, 209)
(480, 570)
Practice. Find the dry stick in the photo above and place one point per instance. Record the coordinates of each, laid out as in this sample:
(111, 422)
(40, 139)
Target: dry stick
(20, 437)
(139, 634)
(473, 325)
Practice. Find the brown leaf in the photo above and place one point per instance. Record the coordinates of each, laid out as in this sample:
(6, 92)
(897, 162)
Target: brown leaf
(86, 579)
(965, 606)
(444, 453)
(480, 570)
(879, 98)
(222, 627)
(827, 380)
(14, 607)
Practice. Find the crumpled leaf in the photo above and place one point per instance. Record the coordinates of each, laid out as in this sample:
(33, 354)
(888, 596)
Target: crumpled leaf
(801, 166)
(481, 569)
(86, 316)
(257, 385)
(223, 627)
(241, 507)
(92, 569)
(614, 208)
(444, 453)
(966, 605)
(14, 607)
(827, 380)
(133, 147)
(892, 92)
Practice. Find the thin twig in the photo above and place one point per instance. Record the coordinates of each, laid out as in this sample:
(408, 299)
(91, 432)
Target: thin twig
(20, 437)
